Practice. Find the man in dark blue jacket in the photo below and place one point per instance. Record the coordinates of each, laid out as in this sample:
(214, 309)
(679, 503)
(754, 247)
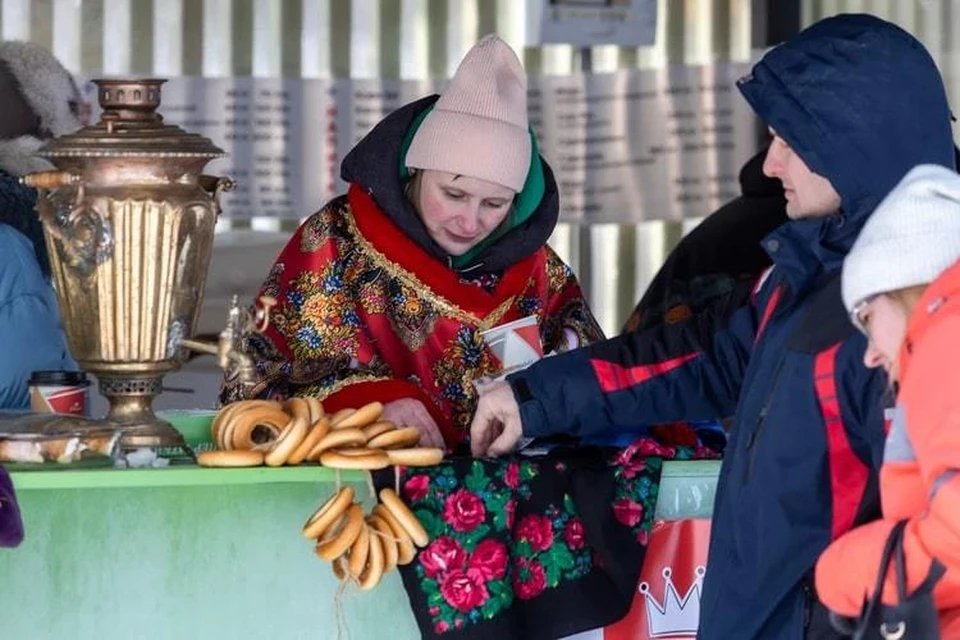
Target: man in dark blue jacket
(852, 103)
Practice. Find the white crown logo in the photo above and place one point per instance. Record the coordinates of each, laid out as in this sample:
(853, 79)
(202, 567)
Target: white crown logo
(676, 616)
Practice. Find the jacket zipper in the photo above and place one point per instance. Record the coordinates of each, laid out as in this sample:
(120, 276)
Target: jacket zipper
(807, 604)
(754, 438)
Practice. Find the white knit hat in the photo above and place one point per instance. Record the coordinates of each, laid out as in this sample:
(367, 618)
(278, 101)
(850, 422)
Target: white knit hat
(478, 127)
(912, 237)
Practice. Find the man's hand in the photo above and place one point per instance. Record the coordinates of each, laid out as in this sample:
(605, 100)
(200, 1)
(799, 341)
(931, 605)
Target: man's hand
(496, 427)
(408, 412)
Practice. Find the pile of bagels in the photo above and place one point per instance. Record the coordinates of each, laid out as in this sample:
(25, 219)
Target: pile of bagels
(251, 433)
(362, 547)
(365, 547)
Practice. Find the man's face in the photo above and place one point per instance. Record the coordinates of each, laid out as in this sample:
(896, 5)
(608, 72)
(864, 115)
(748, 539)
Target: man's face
(809, 195)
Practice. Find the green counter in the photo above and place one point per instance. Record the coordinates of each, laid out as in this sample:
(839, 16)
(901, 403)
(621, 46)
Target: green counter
(201, 553)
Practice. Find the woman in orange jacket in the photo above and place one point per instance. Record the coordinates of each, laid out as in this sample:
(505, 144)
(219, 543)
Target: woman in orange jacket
(901, 284)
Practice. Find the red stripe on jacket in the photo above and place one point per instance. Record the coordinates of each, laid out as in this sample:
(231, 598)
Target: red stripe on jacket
(615, 377)
(768, 312)
(848, 474)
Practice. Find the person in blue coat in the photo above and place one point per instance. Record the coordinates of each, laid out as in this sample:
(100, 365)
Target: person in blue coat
(38, 100)
(853, 103)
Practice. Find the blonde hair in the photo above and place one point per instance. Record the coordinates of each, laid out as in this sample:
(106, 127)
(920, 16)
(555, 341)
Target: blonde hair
(908, 298)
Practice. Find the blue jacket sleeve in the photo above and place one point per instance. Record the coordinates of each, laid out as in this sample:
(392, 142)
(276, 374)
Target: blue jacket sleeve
(31, 336)
(686, 371)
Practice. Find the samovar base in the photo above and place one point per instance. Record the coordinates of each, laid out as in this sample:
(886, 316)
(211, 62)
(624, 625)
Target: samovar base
(159, 434)
(131, 398)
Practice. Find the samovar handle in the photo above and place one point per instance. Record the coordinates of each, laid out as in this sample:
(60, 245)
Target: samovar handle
(215, 185)
(85, 237)
(49, 180)
(261, 314)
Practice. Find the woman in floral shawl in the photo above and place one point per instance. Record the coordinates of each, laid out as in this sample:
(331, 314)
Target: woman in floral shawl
(383, 294)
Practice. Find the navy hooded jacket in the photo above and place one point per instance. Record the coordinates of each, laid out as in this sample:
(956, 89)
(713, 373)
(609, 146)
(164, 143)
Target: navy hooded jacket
(861, 102)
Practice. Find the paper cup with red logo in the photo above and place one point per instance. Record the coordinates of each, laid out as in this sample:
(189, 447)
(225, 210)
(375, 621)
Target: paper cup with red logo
(64, 392)
(515, 344)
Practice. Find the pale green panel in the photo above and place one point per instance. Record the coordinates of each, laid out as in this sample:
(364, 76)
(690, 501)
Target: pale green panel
(169, 30)
(365, 38)
(883, 8)
(930, 28)
(91, 46)
(242, 36)
(720, 31)
(193, 38)
(183, 562)
(315, 39)
(676, 31)
(16, 19)
(512, 22)
(462, 31)
(291, 37)
(142, 34)
(655, 56)
(698, 45)
(437, 14)
(268, 40)
(117, 52)
(267, 33)
(340, 23)
(654, 240)
(41, 23)
(391, 17)
(741, 34)
(560, 242)
(218, 36)
(414, 46)
(605, 58)
(487, 17)
(66, 34)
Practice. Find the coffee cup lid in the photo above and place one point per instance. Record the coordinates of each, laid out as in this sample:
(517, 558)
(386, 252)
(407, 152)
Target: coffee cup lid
(62, 378)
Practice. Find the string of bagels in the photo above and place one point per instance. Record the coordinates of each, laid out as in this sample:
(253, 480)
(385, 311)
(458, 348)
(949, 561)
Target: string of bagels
(362, 547)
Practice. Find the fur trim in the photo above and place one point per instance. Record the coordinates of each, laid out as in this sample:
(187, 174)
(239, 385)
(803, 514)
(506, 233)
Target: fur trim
(17, 156)
(47, 86)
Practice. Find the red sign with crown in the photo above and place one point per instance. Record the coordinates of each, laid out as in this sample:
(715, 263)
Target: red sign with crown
(667, 600)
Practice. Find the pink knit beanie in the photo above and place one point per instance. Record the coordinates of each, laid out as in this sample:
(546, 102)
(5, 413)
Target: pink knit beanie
(478, 127)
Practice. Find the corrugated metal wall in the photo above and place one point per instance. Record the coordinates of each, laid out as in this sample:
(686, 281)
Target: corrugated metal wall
(382, 38)
(426, 38)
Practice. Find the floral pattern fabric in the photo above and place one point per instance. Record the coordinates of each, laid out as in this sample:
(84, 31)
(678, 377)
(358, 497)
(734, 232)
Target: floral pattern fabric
(511, 539)
(363, 313)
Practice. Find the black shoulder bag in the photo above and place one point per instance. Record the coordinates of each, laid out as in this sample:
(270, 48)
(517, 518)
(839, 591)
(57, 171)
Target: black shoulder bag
(914, 617)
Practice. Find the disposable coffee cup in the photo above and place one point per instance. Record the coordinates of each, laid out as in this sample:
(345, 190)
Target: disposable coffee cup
(64, 392)
(515, 344)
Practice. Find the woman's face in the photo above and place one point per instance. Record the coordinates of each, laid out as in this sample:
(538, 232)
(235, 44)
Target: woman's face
(885, 321)
(459, 211)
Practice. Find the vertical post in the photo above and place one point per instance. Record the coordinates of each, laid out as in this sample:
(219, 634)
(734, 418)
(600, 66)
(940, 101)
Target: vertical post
(584, 252)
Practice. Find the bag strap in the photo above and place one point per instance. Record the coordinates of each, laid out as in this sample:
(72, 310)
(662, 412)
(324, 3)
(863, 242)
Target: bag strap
(933, 575)
(891, 548)
(901, 568)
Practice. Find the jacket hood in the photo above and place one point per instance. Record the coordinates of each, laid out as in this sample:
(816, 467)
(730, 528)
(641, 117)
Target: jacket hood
(861, 101)
(374, 165)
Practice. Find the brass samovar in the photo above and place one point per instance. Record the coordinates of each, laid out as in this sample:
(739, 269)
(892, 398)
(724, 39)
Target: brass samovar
(129, 222)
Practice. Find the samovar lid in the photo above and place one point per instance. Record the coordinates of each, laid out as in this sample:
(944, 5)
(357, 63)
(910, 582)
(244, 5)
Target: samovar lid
(130, 127)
